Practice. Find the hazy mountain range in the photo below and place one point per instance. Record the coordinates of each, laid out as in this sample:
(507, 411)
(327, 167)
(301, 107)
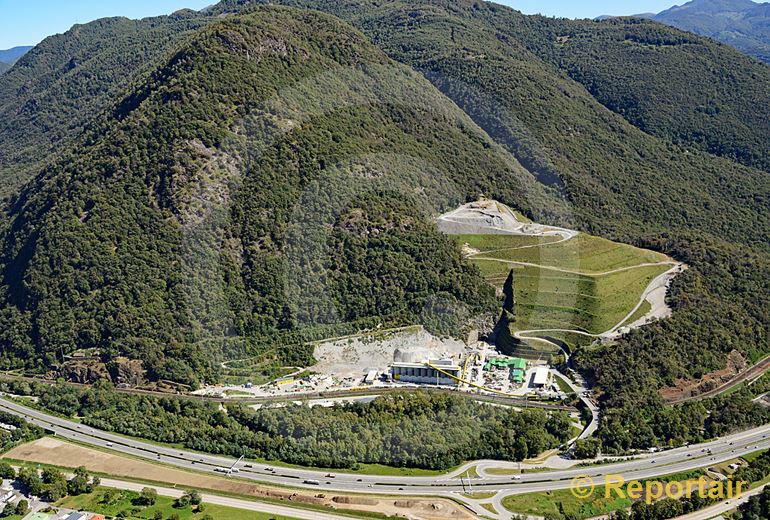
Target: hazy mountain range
(741, 23)
(10, 56)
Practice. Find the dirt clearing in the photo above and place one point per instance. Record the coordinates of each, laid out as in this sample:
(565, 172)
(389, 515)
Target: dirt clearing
(354, 356)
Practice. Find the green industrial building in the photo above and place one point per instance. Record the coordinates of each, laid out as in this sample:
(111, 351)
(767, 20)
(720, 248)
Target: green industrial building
(517, 367)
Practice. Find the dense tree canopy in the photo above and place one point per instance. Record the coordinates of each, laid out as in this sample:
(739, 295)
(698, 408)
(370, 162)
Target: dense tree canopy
(433, 431)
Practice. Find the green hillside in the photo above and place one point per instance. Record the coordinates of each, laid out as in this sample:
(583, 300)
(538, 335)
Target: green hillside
(501, 67)
(265, 196)
(661, 191)
(701, 94)
(69, 78)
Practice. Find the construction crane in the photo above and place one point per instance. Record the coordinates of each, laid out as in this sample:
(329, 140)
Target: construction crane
(232, 469)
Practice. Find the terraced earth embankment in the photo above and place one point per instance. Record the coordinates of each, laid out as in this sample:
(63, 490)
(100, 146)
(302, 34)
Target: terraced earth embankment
(569, 287)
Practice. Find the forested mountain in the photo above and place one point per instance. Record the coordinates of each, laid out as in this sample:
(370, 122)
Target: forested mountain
(252, 171)
(4, 67)
(286, 180)
(630, 169)
(744, 24)
(65, 80)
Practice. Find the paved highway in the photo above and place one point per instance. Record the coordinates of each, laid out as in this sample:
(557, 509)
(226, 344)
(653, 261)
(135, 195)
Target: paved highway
(673, 461)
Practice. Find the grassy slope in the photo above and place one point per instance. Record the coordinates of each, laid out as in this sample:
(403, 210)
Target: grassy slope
(585, 299)
(583, 254)
(96, 503)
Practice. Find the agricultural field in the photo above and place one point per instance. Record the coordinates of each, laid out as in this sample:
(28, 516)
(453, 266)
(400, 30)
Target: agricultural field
(585, 283)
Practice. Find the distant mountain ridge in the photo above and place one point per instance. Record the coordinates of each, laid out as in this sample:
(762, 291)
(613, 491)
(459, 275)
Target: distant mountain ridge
(743, 24)
(11, 56)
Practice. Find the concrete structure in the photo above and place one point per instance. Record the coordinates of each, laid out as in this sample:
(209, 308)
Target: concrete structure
(542, 377)
(444, 373)
(371, 377)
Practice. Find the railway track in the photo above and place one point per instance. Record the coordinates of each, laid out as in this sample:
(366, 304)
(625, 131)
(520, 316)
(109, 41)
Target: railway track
(510, 401)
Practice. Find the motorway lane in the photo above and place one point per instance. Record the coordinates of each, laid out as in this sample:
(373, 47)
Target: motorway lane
(722, 507)
(673, 461)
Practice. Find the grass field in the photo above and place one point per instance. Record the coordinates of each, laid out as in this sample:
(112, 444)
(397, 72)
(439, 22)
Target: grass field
(556, 503)
(585, 296)
(584, 254)
(553, 502)
(503, 471)
(563, 386)
(115, 503)
(640, 312)
(496, 242)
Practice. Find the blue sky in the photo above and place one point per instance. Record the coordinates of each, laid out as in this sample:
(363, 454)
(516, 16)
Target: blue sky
(588, 8)
(26, 22)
